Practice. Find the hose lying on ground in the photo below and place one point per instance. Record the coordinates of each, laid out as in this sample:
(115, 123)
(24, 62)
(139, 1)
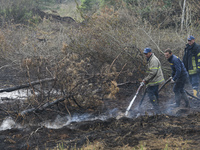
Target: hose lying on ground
(191, 95)
(168, 80)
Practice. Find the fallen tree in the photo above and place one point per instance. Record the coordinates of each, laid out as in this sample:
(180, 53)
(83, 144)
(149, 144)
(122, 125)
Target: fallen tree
(41, 108)
(46, 105)
(26, 85)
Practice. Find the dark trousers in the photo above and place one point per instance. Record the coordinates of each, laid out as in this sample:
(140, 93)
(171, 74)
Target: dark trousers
(152, 92)
(179, 91)
(194, 80)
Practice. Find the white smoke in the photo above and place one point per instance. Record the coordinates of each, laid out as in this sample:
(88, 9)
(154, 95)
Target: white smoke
(10, 96)
(8, 123)
(59, 122)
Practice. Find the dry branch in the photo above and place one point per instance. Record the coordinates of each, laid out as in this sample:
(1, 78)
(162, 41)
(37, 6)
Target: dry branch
(46, 105)
(26, 85)
(152, 40)
(43, 107)
(125, 83)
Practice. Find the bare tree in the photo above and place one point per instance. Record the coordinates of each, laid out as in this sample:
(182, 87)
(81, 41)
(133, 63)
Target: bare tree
(183, 14)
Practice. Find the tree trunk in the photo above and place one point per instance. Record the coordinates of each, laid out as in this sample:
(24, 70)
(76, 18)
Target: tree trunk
(183, 14)
(26, 85)
(43, 107)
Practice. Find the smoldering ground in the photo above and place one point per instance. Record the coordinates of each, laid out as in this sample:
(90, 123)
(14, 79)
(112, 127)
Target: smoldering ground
(176, 128)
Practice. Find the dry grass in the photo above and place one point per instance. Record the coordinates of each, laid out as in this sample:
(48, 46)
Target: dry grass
(68, 9)
(169, 143)
(93, 58)
(108, 50)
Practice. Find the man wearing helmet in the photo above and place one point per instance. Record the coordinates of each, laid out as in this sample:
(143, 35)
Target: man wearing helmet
(154, 77)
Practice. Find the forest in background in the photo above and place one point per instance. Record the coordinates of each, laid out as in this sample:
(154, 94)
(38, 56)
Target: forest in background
(93, 49)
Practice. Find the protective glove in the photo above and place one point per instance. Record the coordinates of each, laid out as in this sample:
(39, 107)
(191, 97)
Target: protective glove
(142, 83)
(172, 81)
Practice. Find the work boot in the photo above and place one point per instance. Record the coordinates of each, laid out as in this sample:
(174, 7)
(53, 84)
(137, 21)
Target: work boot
(187, 104)
(175, 105)
(177, 98)
(157, 109)
(154, 102)
(195, 92)
(185, 98)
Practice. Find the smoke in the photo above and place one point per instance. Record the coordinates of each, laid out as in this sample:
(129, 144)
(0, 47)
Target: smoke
(59, 122)
(7, 96)
(17, 95)
(9, 123)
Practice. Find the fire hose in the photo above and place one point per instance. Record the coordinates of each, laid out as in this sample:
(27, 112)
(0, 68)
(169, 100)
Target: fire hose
(141, 84)
(166, 82)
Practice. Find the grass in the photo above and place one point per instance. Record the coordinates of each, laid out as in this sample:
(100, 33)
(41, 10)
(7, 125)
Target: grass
(158, 143)
(64, 10)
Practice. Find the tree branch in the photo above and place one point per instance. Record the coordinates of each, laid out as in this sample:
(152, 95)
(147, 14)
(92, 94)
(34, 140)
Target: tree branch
(26, 85)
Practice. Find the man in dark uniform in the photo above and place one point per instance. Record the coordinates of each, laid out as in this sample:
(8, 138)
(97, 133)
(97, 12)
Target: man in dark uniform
(191, 60)
(179, 78)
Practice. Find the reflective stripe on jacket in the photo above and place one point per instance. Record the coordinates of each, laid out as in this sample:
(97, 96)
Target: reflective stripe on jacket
(155, 75)
(191, 58)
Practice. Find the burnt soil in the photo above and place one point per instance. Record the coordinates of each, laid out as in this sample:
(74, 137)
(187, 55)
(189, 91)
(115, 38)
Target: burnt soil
(173, 128)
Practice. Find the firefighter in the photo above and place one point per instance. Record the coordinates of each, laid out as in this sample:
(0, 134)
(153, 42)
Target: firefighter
(154, 78)
(191, 60)
(179, 78)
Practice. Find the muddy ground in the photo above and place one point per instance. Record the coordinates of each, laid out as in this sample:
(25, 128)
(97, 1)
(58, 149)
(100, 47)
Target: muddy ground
(174, 128)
